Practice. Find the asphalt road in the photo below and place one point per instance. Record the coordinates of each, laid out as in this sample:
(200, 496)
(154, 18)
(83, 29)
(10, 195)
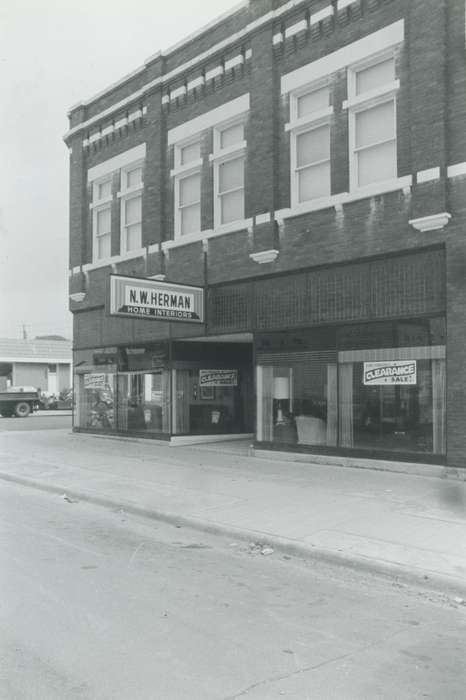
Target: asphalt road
(37, 421)
(100, 605)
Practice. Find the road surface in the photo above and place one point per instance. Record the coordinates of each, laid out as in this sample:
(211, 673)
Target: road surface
(99, 605)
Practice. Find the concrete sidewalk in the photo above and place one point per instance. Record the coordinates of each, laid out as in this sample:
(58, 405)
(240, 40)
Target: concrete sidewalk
(412, 528)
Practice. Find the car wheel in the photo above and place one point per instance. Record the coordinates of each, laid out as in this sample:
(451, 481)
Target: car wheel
(22, 409)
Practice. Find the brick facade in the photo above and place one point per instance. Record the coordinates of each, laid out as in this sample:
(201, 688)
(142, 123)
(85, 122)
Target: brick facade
(273, 38)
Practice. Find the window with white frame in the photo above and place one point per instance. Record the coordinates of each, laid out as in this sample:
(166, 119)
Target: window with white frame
(102, 218)
(309, 128)
(187, 174)
(131, 207)
(229, 160)
(372, 121)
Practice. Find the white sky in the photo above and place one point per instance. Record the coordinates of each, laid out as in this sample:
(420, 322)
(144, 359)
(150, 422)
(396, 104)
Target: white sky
(54, 53)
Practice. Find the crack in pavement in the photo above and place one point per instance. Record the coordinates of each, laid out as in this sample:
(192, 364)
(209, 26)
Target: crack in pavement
(312, 667)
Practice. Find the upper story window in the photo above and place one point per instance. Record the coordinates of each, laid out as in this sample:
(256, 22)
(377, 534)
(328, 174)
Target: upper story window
(122, 208)
(309, 128)
(102, 218)
(187, 173)
(229, 161)
(131, 207)
(372, 121)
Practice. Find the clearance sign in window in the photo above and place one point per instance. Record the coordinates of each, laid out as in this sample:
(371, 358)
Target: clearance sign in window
(392, 372)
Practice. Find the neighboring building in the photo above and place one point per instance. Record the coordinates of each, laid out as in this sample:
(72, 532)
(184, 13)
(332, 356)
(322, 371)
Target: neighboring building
(45, 364)
(267, 233)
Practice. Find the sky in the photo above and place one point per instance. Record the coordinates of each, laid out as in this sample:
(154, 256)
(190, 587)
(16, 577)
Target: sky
(53, 54)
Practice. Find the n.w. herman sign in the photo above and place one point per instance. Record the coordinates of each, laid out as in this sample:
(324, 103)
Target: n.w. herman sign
(146, 298)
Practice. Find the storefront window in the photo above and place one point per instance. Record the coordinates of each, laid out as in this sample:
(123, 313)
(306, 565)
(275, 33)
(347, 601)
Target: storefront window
(143, 402)
(385, 399)
(297, 399)
(95, 393)
(393, 400)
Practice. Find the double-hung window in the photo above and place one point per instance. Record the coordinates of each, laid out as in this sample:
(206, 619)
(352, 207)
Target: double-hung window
(309, 128)
(187, 174)
(102, 219)
(372, 121)
(229, 160)
(131, 207)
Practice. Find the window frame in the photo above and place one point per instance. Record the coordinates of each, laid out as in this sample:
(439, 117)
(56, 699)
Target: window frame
(220, 156)
(301, 125)
(125, 195)
(98, 206)
(357, 104)
(179, 173)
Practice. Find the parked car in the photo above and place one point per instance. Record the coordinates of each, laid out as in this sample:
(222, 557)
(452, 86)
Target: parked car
(19, 401)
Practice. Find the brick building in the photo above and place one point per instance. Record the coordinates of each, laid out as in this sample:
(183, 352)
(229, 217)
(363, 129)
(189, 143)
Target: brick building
(267, 233)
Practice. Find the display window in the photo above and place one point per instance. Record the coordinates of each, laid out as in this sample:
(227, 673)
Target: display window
(143, 402)
(95, 401)
(386, 399)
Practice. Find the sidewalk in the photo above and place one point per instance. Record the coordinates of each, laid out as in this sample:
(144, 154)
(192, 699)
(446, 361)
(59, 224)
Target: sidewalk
(412, 528)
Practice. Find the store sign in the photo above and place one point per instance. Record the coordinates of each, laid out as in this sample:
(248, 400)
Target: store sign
(95, 381)
(218, 377)
(151, 299)
(394, 372)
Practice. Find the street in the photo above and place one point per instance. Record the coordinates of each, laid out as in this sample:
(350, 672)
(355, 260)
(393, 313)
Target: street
(41, 420)
(100, 605)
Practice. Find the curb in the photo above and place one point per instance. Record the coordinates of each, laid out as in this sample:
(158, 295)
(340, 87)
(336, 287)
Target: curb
(396, 573)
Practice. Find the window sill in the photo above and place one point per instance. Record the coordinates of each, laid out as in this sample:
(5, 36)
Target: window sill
(338, 200)
(200, 236)
(139, 253)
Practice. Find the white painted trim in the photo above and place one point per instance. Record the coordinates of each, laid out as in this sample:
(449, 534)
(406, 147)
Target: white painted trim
(300, 26)
(322, 14)
(310, 119)
(140, 253)
(262, 218)
(277, 38)
(341, 4)
(432, 222)
(78, 296)
(163, 80)
(352, 53)
(117, 162)
(178, 92)
(36, 361)
(233, 227)
(335, 200)
(209, 119)
(194, 165)
(264, 256)
(196, 82)
(428, 175)
(214, 73)
(153, 248)
(366, 98)
(457, 169)
(165, 99)
(235, 61)
(248, 54)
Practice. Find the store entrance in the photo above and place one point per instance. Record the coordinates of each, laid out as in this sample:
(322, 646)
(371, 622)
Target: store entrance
(213, 389)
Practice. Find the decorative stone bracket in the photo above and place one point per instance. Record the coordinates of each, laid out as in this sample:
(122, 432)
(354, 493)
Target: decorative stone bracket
(78, 296)
(264, 256)
(432, 222)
